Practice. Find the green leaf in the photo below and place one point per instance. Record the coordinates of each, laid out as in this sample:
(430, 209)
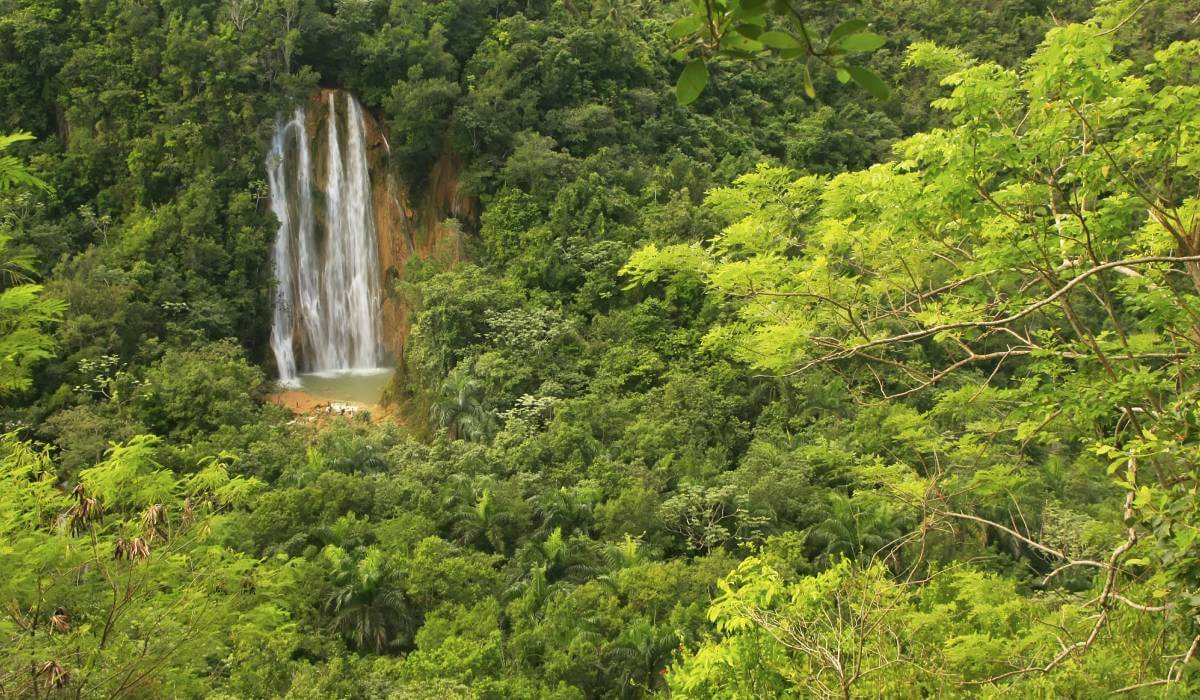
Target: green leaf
(748, 30)
(779, 40)
(850, 26)
(748, 8)
(685, 26)
(736, 42)
(863, 41)
(7, 140)
(808, 84)
(869, 81)
(736, 54)
(691, 82)
(843, 75)
(12, 171)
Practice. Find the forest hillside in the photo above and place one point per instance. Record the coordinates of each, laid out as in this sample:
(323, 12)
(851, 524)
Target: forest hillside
(599, 348)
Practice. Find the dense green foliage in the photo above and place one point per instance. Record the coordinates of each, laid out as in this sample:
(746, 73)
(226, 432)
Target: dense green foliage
(742, 29)
(769, 395)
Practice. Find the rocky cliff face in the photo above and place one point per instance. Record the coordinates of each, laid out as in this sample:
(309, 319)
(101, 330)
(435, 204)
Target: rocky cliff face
(404, 228)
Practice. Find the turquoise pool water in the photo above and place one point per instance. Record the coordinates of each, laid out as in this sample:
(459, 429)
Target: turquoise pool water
(363, 386)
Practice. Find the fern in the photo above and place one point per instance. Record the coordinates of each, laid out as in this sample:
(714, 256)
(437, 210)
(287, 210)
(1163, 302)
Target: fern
(14, 173)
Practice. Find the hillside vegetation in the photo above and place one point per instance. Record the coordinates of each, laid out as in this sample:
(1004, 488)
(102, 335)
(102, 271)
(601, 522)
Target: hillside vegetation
(887, 391)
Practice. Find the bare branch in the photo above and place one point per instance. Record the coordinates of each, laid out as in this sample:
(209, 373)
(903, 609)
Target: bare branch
(1031, 542)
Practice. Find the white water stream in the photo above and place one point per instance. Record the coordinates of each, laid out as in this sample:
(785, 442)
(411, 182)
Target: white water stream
(326, 319)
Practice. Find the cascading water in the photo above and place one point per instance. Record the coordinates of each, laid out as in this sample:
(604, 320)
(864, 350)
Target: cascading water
(326, 318)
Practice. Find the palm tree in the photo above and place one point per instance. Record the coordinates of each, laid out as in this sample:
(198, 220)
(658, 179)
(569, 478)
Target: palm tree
(348, 532)
(535, 585)
(565, 510)
(367, 605)
(621, 13)
(640, 654)
(559, 558)
(619, 556)
(624, 554)
(479, 525)
(457, 406)
(554, 552)
(548, 563)
(853, 532)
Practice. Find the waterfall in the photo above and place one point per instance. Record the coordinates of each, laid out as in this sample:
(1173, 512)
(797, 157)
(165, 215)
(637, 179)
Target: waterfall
(326, 317)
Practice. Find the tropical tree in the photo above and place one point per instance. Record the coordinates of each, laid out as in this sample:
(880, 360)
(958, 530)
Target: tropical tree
(457, 406)
(119, 584)
(564, 510)
(639, 655)
(367, 605)
(624, 554)
(853, 531)
(1029, 279)
(25, 309)
(710, 518)
(740, 29)
(480, 524)
(829, 636)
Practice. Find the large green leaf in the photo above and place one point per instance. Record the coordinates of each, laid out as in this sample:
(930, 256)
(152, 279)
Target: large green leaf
(862, 41)
(850, 26)
(685, 26)
(779, 40)
(869, 81)
(808, 84)
(691, 82)
(734, 41)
